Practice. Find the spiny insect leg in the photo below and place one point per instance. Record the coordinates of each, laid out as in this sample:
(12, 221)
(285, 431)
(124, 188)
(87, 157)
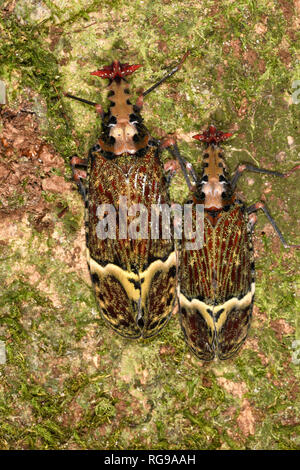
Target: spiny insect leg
(262, 206)
(241, 168)
(190, 168)
(288, 173)
(185, 166)
(78, 175)
(76, 161)
(140, 101)
(249, 167)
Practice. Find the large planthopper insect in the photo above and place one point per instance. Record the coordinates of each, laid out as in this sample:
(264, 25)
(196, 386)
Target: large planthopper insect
(134, 276)
(217, 281)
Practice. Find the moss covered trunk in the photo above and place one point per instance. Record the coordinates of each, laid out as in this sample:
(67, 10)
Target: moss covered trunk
(68, 381)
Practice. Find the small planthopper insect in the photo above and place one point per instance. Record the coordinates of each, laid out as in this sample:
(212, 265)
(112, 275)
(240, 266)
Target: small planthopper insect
(134, 275)
(217, 281)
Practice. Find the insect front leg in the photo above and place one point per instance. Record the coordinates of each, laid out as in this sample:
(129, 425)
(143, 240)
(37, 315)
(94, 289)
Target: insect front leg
(78, 161)
(170, 144)
(140, 101)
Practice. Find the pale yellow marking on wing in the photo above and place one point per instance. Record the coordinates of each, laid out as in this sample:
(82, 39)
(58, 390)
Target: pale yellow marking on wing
(239, 304)
(202, 307)
(149, 273)
(122, 276)
(227, 306)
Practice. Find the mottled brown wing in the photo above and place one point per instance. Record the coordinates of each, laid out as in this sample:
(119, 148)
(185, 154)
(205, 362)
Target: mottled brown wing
(233, 255)
(157, 258)
(198, 328)
(196, 270)
(130, 270)
(117, 298)
(234, 331)
(111, 263)
(107, 182)
(197, 298)
(217, 287)
(159, 283)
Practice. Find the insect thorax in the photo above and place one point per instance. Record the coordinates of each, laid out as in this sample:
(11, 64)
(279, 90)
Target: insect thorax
(213, 188)
(123, 129)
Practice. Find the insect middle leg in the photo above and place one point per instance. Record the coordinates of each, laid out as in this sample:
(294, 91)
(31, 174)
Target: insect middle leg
(247, 166)
(79, 174)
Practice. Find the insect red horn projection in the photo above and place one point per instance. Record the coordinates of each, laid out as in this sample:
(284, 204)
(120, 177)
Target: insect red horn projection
(217, 280)
(134, 275)
(116, 69)
(212, 136)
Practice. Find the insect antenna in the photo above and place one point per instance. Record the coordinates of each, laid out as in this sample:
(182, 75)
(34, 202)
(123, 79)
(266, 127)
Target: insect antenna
(68, 95)
(174, 70)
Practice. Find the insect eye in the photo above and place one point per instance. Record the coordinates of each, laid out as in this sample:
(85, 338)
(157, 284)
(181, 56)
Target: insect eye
(112, 121)
(133, 119)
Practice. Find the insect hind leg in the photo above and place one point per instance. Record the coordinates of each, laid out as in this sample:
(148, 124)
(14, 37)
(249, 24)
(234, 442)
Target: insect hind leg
(260, 205)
